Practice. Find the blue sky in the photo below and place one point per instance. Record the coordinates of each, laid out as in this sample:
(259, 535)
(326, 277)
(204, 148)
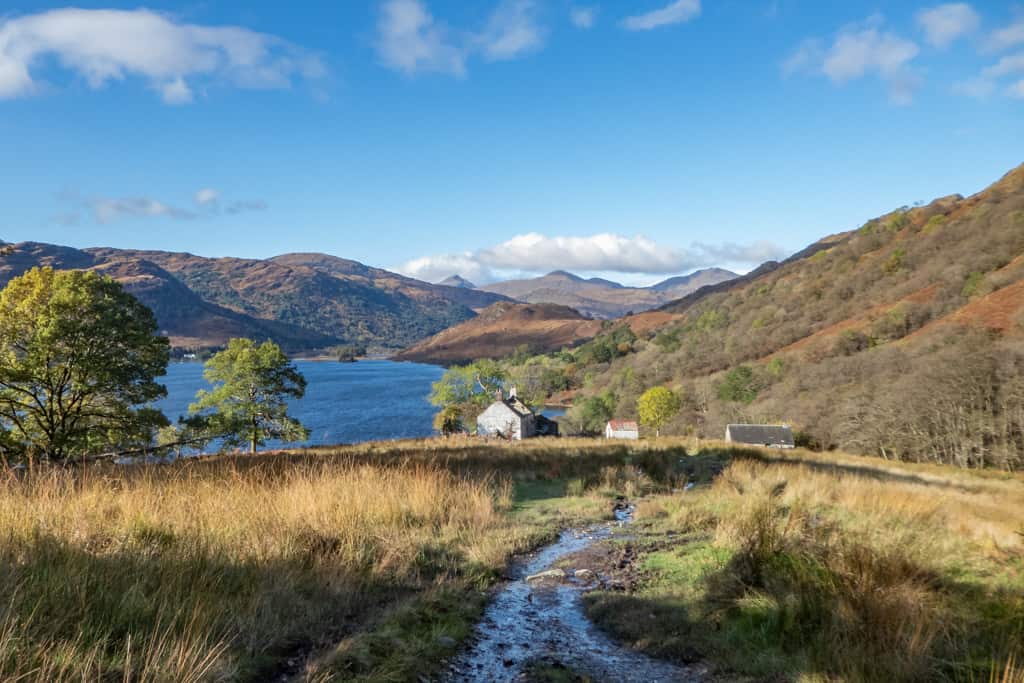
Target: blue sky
(632, 140)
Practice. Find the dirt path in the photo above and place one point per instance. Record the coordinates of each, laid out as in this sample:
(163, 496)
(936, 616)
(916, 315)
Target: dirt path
(542, 620)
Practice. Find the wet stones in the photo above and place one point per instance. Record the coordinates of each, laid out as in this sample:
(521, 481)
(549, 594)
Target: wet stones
(547, 575)
(585, 575)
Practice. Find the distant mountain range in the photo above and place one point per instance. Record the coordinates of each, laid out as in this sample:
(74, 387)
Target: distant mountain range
(312, 301)
(601, 298)
(302, 301)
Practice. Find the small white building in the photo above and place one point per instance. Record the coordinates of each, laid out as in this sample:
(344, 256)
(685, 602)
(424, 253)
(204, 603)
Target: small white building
(509, 418)
(622, 429)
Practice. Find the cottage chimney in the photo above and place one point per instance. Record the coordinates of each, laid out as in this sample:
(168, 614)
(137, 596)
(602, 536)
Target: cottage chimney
(512, 392)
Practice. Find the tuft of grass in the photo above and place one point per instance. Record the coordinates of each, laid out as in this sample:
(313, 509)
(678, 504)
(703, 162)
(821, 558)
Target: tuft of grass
(818, 567)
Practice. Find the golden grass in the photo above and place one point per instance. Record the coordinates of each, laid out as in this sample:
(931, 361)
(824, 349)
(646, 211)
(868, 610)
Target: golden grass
(229, 567)
(827, 566)
(205, 571)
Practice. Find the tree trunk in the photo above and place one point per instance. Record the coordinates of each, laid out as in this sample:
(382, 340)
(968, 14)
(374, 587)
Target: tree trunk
(252, 442)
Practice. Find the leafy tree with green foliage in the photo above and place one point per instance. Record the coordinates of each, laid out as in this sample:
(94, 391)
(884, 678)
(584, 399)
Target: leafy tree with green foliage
(79, 358)
(657, 406)
(470, 388)
(449, 421)
(251, 385)
(740, 385)
(473, 384)
(595, 411)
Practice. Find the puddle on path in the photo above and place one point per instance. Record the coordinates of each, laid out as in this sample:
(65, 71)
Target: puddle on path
(545, 620)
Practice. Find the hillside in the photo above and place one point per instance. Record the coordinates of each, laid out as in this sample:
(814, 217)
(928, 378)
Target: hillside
(501, 330)
(303, 301)
(904, 337)
(601, 298)
(461, 292)
(190, 322)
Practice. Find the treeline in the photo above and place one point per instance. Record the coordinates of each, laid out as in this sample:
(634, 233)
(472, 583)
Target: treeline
(80, 362)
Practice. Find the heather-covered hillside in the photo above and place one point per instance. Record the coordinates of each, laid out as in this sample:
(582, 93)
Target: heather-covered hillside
(903, 338)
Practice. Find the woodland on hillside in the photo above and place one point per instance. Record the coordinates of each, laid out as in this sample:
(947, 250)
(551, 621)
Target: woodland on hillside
(903, 339)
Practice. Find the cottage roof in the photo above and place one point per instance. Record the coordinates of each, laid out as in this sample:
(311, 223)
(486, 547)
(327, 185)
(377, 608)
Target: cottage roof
(761, 435)
(518, 406)
(623, 425)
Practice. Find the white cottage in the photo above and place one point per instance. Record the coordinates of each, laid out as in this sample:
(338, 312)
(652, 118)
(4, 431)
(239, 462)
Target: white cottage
(622, 429)
(507, 417)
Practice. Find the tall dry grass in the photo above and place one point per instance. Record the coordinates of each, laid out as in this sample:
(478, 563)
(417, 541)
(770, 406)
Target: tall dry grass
(214, 570)
(857, 569)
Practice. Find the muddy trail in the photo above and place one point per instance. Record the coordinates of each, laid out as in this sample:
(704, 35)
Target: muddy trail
(538, 617)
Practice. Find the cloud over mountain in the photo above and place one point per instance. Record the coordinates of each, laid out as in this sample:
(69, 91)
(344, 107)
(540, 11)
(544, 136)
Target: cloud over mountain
(604, 252)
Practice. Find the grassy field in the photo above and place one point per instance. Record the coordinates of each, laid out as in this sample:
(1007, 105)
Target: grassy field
(373, 562)
(828, 567)
(368, 562)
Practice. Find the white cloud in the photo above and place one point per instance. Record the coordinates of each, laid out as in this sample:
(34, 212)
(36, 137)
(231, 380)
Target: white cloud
(109, 209)
(1016, 90)
(675, 13)
(207, 197)
(987, 82)
(176, 92)
(730, 252)
(103, 46)
(978, 88)
(1005, 38)
(944, 24)
(437, 268)
(858, 51)
(243, 205)
(534, 253)
(1005, 67)
(410, 40)
(583, 17)
(511, 31)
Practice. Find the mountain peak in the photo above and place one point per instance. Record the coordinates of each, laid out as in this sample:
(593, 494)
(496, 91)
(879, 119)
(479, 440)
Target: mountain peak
(457, 280)
(564, 274)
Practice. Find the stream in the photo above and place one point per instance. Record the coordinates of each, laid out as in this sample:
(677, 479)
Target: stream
(543, 619)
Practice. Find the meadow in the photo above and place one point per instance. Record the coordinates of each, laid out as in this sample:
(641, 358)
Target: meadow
(373, 562)
(368, 562)
(813, 567)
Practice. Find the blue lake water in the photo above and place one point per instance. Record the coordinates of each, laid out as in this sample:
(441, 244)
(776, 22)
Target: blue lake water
(344, 402)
